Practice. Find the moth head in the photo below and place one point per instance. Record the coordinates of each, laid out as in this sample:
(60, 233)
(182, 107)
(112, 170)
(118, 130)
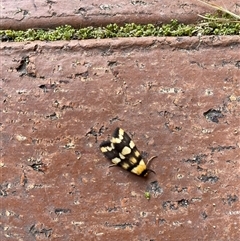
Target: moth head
(146, 172)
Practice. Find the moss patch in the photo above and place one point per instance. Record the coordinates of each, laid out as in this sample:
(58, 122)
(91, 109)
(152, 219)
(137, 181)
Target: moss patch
(218, 24)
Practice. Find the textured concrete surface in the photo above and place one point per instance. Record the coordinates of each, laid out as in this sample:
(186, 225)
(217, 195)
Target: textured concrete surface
(178, 98)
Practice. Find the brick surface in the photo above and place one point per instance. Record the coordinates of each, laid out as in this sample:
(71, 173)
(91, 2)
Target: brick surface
(18, 14)
(178, 98)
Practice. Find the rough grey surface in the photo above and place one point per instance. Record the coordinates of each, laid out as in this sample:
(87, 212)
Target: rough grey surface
(178, 98)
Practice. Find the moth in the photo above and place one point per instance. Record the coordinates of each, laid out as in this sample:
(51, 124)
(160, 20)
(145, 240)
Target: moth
(122, 151)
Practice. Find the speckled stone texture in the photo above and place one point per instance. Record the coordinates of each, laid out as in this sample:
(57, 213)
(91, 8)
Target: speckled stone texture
(178, 98)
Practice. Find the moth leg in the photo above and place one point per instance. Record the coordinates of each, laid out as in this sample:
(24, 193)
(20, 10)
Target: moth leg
(113, 165)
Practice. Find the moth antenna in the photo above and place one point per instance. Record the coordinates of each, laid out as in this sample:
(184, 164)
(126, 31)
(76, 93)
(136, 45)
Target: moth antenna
(150, 170)
(151, 159)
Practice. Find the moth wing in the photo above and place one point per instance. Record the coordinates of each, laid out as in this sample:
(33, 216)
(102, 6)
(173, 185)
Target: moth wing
(108, 149)
(122, 151)
(120, 139)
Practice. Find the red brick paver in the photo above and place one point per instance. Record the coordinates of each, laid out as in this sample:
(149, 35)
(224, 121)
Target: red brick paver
(17, 14)
(177, 97)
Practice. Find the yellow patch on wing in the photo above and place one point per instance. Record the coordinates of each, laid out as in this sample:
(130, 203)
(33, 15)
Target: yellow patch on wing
(131, 144)
(136, 153)
(116, 140)
(125, 165)
(116, 160)
(106, 148)
(121, 132)
(139, 168)
(122, 156)
(126, 150)
(133, 160)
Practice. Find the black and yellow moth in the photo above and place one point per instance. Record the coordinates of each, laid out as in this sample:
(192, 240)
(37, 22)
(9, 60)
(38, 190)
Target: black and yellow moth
(122, 151)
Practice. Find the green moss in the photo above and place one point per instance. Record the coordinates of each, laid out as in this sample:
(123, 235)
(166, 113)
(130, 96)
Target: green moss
(218, 24)
(147, 195)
